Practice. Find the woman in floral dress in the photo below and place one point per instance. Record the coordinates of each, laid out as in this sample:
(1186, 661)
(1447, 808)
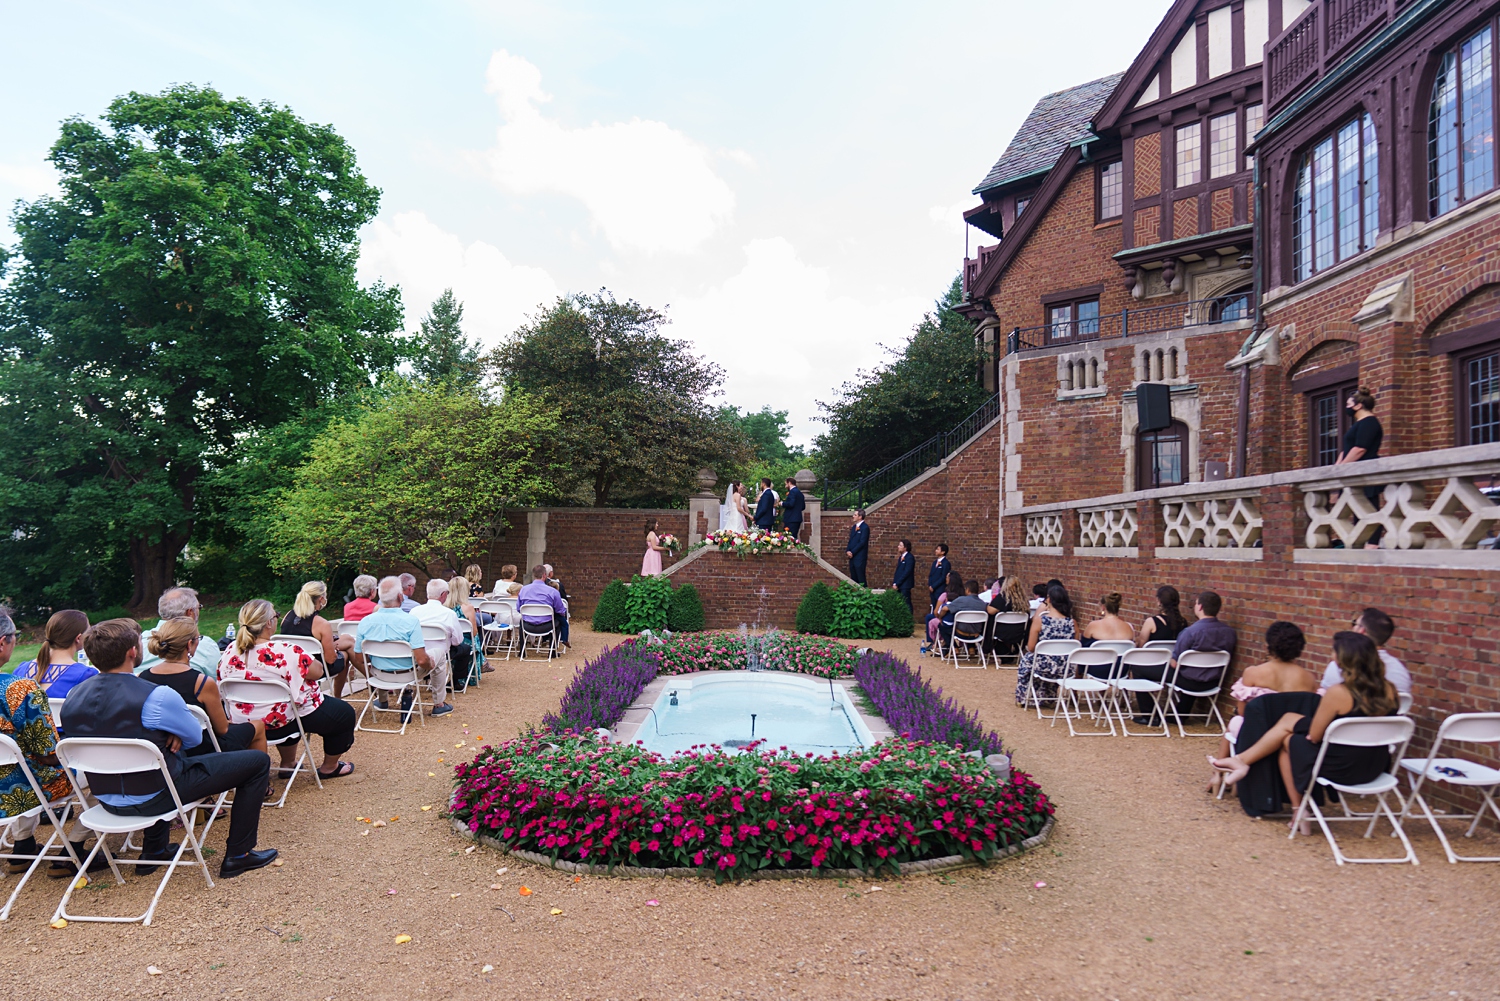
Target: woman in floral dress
(1053, 621)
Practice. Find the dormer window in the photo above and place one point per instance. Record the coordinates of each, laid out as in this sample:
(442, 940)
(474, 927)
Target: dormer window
(1111, 191)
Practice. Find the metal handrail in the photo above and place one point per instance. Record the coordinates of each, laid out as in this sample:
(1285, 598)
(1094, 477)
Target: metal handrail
(1134, 322)
(844, 494)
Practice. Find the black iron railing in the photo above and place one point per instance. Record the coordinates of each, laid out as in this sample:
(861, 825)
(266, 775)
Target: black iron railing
(1134, 322)
(845, 494)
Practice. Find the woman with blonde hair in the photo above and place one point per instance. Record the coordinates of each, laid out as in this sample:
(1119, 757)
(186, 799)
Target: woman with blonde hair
(465, 610)
(57, 668)
(304, 620)
(175, 641)
(474, 578)
(254, 657)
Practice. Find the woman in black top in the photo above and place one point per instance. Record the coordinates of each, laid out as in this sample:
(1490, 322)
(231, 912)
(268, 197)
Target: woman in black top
(174, 640)
(1167, 623)
(1361, 442)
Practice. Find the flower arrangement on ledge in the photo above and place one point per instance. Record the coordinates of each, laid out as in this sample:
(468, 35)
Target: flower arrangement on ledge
(778, 651)
(755, 542)
(575, 799)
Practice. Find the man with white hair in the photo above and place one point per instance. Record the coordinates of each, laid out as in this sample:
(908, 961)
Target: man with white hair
(435, 613)
(181, 603)
(408, 586)
(389, 623)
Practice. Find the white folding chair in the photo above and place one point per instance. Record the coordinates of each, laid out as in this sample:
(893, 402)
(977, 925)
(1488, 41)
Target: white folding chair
(1160, 645)
(1045, 648)
(976, 643)
(529, 630)
(435, 638)
(1011, 619)
(359, 679)
(1077, 680)
(471, 676)
(1464, 773)
(85, 757)
(383, 683)
(266, 693)
(1358, 731)
(57, 815)
(1126, 687)
(499, 634)
(1215, 659)
(1403, 703)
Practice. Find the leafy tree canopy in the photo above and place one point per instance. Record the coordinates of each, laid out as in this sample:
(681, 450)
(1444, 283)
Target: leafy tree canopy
(927, 388)
(193, 282)
(636, 423)
(419, 477)
(767, 432)
(442, 352)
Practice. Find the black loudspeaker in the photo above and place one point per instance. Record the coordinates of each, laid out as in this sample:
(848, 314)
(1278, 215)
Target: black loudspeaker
(1153, 406)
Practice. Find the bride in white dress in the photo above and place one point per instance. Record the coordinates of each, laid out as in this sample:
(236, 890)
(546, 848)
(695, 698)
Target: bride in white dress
(732, 512)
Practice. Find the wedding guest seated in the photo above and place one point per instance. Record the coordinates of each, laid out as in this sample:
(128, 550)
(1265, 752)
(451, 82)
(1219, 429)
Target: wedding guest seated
(1008, 596)
(506, 586)
(969, 601)
(1109, 625)
(951, 589)
(1208, 634)
(1038, 596)
(253, 656)
(474, 578)
(173, 642)
(1054, 622)
(1167, 623)
(541, 592)
(364, 599)
(439, 651)
(304, 620)
(115, 703)
(1379, 626)
(463, 655)
(176, 603)
(408, 588)
(390, 624)
(554, 583)
(57, 669)
(1282, 673)
(1007, 638)
(1362, 691)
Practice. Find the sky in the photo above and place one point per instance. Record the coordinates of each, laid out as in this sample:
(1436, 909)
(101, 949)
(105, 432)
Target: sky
(784, 180)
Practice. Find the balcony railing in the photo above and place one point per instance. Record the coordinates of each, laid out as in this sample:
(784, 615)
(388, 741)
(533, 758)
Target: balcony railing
(974, 265)
(1135, 322)
(1315, 42)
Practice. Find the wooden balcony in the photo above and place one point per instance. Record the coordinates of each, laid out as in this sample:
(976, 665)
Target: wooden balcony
(1315, 43)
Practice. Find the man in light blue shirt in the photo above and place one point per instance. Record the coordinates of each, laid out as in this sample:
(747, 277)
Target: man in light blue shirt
(116, 704)
(389, 624)
(181, 602)
(408, 588)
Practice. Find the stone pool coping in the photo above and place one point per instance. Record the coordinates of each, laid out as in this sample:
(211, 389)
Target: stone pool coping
(635, 716)
(922, 868)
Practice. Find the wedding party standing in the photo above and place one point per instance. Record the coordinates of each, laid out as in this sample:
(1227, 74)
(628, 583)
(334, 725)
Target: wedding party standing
(906, 571)
(651, 562)
(858, 550)
(937, 575)
(792, 508)
(765, 507)
(732, 512)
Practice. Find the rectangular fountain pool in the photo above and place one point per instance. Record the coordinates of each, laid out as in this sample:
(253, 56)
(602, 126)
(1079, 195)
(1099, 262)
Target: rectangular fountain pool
(804, 714)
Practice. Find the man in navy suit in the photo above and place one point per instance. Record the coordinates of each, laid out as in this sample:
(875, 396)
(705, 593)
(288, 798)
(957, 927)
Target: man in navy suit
(859, 547)
(792, 507)
(938, 575)
(765, 508)
(906, 570)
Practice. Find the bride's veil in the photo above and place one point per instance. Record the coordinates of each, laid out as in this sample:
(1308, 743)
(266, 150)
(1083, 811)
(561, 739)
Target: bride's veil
(727, 506)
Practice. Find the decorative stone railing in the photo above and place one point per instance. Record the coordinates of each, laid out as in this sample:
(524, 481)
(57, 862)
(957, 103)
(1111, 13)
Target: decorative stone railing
(1107, 527)
(1438, 508)
(1044, 530)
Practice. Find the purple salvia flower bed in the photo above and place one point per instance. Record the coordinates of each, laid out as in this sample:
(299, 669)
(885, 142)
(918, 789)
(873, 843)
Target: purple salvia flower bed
(911, 706)
(602, 689)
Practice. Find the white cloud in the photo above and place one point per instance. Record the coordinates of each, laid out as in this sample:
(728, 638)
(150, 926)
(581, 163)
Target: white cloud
(951, 217)
(647, 186)
(784, 337)
(411, 251)
(28, 181)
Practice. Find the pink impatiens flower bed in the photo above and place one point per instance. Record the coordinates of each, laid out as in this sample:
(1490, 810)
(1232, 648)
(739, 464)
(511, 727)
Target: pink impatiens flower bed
(576, 800)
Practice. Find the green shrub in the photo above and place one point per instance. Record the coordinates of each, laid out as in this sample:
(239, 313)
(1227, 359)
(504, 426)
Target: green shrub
(646, 603)
(815, 614)
(609, 614)
(685, 610)
(898, 617)
(856, 613)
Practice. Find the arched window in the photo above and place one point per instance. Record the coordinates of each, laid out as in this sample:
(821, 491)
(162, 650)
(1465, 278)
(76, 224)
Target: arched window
(1461, 125)
(1336, 205)
(1231, 306)
(1161, 457)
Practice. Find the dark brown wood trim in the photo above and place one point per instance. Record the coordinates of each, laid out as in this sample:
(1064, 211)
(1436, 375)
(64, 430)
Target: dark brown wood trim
(1462, 340)
(1041, 202)
(1074, 294)
(1458, 362)
(1149, 60)
(1327, 377)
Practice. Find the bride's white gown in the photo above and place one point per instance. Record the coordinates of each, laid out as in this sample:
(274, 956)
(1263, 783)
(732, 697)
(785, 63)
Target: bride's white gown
(730, 516)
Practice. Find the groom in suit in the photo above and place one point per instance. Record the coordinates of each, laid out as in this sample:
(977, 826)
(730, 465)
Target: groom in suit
(791, 509)
(765, 508)
(859, 547)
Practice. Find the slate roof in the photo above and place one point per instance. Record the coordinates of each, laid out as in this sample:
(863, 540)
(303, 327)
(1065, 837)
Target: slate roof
(1057, 121)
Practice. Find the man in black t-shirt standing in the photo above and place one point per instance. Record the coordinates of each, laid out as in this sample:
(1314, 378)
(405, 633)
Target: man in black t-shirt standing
(1361, 442)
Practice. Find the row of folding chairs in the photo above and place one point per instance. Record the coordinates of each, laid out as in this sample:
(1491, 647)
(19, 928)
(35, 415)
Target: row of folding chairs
(972, 645)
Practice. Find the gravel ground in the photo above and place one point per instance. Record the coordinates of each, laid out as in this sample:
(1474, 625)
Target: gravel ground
(1153, 889)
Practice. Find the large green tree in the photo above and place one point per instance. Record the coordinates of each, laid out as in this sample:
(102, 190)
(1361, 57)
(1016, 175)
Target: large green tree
(767, 431)
(442, 351)
(636, 422)
(926, 388)
(193, 282)
(418, 477)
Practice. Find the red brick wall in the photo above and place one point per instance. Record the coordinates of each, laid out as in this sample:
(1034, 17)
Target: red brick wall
(731, 587)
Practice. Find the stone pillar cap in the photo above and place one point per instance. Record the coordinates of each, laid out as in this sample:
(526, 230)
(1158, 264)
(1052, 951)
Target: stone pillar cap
(806, 480)
(706, 479)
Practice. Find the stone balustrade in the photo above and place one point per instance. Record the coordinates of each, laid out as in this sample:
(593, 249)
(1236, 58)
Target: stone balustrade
(1214, 522)
(1044, 531)
(1111, 527)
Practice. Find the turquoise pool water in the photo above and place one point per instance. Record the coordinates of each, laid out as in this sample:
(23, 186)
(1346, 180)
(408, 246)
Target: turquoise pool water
(715, 708)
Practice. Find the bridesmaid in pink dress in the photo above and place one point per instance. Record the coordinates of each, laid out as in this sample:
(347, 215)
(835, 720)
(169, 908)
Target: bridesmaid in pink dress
(651, 562)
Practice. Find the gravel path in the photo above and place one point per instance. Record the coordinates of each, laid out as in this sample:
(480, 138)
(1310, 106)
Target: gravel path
(1153, 889)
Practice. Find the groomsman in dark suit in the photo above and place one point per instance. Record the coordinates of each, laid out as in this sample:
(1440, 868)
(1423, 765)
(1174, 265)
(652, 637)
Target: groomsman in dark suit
(938, 575)
(859, 547)
(792, 506)
(765, 508)
(906, 570)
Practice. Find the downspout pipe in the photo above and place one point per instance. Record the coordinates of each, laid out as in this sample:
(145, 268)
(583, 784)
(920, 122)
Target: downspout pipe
(1257, 251)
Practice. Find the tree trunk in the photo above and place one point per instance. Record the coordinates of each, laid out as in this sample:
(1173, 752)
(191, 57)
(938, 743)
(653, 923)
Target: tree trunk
(154, 567)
